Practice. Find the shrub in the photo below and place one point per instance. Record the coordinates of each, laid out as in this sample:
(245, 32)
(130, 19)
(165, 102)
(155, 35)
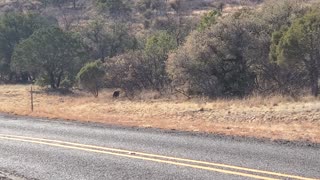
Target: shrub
(91, 76)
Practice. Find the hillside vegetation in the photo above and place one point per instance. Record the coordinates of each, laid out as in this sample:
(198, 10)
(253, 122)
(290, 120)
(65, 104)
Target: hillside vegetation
(239, 67)
(208, 48)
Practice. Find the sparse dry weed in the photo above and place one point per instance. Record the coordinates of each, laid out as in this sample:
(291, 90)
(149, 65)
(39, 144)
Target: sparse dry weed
(274, 117)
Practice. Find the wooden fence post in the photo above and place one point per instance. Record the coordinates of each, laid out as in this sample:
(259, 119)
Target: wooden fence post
(31, 96)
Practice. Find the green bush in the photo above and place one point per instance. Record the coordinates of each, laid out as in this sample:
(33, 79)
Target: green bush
(90, 77)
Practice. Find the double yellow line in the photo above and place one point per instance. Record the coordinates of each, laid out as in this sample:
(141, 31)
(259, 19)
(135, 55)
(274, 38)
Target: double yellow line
(215, 167)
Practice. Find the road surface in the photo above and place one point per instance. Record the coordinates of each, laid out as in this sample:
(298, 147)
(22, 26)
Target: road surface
(56, 149)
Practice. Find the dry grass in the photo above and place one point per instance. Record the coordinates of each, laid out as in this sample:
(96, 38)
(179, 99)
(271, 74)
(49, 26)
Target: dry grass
(273, 118)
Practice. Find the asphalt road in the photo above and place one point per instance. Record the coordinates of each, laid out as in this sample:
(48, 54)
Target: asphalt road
(48, 149)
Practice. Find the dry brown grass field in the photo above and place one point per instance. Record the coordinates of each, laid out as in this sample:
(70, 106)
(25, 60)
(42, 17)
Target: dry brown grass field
(275, 118)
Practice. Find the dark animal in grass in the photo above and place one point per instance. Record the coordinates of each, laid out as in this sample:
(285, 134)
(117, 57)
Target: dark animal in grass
(116, 94)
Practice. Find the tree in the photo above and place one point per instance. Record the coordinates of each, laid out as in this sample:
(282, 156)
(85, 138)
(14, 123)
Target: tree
(208, 20)
(261, 23)
(98, 39)
(157, 49)
(219, 6)
(182, 26)
(142, 69)
(59, 2)
(150, 10)
(15, 27)
(157, 7)
(127, 71)
(115, 8)
(53, 2)
(214, 62)
(108, 40)
(177, 26)
(299, 45)
(52, 55)
(91, 77)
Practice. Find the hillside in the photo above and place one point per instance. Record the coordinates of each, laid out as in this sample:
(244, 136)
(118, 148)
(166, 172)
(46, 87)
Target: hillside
(76, 11)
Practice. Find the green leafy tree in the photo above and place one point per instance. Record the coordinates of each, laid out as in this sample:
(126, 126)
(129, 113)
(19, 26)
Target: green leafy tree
(91, 77)
(208, 20)
(214, 62)
(299, 45)
(59, 2)
(115, 8)
(52, 55)
(128, 72)
(108, 40)
(150, 10)
(53, 2)
(261, 23)
(15, 27)
(142, 69)
(219, 6)
(98, 39)
(156, 50)
(155, 6)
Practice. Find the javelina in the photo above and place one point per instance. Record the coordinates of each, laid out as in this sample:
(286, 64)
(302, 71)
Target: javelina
(116, 94)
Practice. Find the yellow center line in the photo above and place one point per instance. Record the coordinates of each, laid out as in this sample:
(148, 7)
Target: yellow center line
(166, 157)
(142, 158)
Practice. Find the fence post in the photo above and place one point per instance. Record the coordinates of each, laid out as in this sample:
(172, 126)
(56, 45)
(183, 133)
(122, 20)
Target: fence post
(31, 96)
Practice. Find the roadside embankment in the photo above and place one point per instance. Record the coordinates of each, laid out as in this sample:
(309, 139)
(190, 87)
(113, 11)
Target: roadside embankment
(275, 118)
